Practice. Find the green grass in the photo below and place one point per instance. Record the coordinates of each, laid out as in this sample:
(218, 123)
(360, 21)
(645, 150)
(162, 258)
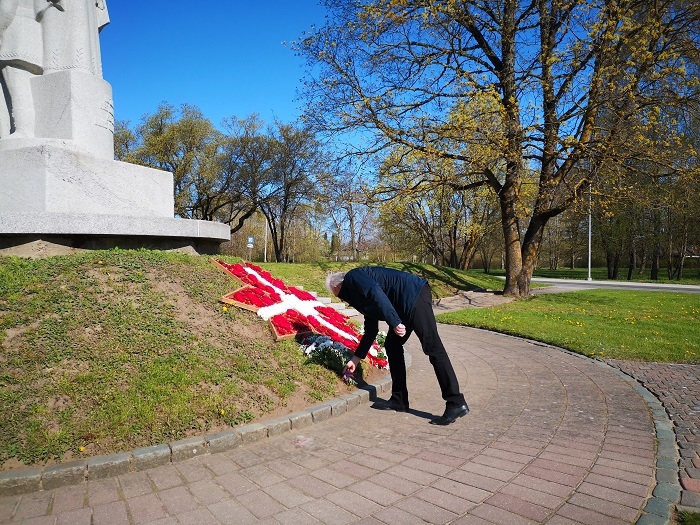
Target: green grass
(688, 518)
(113, 350)
(643, 326)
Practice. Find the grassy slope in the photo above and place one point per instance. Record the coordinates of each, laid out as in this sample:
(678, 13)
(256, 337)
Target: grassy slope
(108, 351)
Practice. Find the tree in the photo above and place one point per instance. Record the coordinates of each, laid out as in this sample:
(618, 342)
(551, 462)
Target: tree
(182, 142)
(343, 198)
(296, 155)
(246, 159)
(399, 68)
(449, 223)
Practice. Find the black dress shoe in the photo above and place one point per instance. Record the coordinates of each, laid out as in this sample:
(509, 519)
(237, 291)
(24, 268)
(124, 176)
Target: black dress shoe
(450, 415)
(389, 405)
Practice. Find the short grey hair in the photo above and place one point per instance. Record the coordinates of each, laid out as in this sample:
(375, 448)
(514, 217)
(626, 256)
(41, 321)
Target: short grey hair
(334, 281)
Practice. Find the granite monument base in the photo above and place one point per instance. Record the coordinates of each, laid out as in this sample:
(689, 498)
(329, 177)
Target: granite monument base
(56, 199)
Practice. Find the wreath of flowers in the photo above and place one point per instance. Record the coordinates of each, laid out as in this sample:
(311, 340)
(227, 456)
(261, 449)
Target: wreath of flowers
(292, 312)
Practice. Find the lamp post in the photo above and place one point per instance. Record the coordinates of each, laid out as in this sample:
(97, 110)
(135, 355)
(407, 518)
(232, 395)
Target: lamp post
(589, 233)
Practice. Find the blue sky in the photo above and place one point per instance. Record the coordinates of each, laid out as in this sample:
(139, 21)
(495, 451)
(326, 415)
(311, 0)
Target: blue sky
(227, 58)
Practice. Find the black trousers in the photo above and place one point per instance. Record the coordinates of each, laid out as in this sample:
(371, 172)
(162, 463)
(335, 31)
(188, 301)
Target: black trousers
(423, 323)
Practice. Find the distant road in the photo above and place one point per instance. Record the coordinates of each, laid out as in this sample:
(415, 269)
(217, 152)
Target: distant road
(567, 285)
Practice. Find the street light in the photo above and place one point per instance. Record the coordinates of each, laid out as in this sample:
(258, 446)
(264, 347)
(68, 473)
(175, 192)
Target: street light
(589, 233)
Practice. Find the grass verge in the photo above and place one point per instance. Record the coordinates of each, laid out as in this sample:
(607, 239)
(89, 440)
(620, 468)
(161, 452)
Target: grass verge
(610, 324)
(688, 518)
(109, 351)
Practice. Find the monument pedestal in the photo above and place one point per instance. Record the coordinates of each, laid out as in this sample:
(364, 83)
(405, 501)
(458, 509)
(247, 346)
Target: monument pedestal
(54, 198)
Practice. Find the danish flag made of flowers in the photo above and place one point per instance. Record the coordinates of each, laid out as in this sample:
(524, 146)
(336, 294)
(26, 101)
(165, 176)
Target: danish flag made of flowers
(291, 311)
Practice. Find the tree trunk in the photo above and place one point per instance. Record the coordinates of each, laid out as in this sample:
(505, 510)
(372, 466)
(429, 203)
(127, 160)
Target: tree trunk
(655, 262)
(511, 234)
(632, 265)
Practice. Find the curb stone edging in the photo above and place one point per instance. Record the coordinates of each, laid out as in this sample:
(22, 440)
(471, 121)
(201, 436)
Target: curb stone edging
(24, 481)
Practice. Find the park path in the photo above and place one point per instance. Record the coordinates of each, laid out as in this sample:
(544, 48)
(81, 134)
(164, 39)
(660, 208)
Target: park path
(551, 438)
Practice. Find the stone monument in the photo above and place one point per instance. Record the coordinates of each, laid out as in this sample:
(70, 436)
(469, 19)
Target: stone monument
(60, 187)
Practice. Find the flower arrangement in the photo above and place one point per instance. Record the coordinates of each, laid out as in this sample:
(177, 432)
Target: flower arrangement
(292, 312)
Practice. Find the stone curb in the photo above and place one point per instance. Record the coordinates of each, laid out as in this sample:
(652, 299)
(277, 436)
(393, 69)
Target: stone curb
(23, 481)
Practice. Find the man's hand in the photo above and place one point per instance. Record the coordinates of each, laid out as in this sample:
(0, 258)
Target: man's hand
(351, 365)
(400, 330)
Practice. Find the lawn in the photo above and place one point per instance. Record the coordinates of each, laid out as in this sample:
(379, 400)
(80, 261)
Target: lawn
(609, 324)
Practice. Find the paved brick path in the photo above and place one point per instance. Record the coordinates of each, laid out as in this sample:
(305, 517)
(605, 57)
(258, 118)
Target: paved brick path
(678, 388)
(551, 438)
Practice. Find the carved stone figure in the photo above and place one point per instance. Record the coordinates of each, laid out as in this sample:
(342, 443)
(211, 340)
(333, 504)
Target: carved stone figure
(60, 187)
(40, 37)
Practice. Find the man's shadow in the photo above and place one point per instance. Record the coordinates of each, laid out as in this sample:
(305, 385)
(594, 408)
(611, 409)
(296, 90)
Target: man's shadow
(412, 411)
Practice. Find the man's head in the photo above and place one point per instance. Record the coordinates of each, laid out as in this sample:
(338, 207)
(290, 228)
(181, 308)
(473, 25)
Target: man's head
(334, 281)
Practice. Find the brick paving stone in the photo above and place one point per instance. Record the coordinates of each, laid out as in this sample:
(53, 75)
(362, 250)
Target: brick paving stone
(531, 495)
(235, 483)
(333, 477)
(425, 510)
(397, 516)
(40, 520)
(379, 494)
(467, 492)
(286, 494)
(519, 506)
(260, 504)
(216, 464)
(32, 505)
(313, 486)
(328, 513)
(445, 500)
(68, 498)
(200, 516)
(295, 516)
(548, 487)
(499, 516)
(102, 491)
(489, 472)
(231, 511)
(628, 514)
(75, 517)
(207, 491)
(476, 480)
(165, 477)
(690, 484)
(113, 513)
(135, 484)
(399, 485)
(177, 500)
(354, 503)
(7, 507)
(635, 489)
(588, 517)
(261, 475)
(612, 495)
(144, 509)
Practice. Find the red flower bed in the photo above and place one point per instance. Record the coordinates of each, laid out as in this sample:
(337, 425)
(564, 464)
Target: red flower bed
(260, 289)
